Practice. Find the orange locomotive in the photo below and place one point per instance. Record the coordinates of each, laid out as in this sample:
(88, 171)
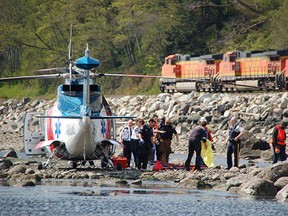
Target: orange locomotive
(232, 71)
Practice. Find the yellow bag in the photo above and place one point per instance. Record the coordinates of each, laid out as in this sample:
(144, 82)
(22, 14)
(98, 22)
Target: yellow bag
(207, 154)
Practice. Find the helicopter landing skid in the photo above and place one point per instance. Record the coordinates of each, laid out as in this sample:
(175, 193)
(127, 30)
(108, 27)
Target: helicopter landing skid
(49, 161)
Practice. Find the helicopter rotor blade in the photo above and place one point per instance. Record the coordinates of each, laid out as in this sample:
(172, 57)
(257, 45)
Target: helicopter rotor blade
(58, 69)
(47, 76)
(130, 75)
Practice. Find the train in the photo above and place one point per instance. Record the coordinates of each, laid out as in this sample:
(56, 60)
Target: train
(233, 71)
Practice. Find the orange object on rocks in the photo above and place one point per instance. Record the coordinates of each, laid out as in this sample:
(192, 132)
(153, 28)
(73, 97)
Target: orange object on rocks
(158, 166)
(120, 162)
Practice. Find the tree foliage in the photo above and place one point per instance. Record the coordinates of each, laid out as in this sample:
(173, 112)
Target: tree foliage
(132, 36)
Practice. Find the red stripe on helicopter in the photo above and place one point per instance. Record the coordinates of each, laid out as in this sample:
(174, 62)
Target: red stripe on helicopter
(108, 128)
(50, 134)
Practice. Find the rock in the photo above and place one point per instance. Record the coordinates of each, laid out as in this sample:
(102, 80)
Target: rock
(242, 166)
(250, 154)
(255, 130)
(237, 180)
(281, 182)
(254, 172)
(216, 176)
(258, 187)
(93, 176)
(29, 171)
(5, 164)
(274, 172)
(194, 183)
(234, 169)
(123, 182)
(203, 185)
(261, 145)
(282, 195)
(30, 177)
(267, 155)
(229, 175)
(17, 169)
(27, 184)
(137, 182)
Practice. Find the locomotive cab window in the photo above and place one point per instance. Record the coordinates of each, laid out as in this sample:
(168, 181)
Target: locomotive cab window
(173, 61)
(232, 58)
(168, 61)
(274, 58)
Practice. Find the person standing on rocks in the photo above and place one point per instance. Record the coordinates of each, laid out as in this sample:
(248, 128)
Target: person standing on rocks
(125, 140)
(165, 140)
(235, 133)
(155, 130)
(203, 122)
(135, 138)
(197, 135)
(278, 142)
(157, 137)
(146, 136)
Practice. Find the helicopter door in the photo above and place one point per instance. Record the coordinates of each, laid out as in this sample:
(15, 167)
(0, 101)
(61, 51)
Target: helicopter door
(33, 133)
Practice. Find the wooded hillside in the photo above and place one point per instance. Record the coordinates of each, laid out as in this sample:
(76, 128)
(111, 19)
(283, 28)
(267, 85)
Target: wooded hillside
(131, 36)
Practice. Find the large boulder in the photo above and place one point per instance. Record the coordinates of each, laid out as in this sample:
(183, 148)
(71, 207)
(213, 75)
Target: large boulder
(194, 183)
(17, 169)
(249, 154)
(258, 187)
(261, 145)
(5, 164)
(267, 155)
(274, 172)
(282, 195)
(281, 182)
(236, 181)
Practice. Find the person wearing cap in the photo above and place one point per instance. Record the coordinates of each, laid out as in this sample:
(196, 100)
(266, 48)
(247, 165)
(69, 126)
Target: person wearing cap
(197, 135)
(166, 135)
(235, 133)
(278, 142)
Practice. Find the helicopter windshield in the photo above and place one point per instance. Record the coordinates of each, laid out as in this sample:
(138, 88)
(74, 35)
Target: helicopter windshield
(70, 99)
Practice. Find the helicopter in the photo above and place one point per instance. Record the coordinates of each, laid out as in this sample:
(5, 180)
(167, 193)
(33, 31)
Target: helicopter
(80, 126)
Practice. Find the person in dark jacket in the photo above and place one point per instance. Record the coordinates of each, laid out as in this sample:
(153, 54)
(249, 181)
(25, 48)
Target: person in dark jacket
(146, 136)
(166, 136)
(278, 142)
(235, 133)
(197, 135)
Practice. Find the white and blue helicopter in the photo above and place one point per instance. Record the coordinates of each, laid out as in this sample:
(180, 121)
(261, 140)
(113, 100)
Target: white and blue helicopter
(80, 126)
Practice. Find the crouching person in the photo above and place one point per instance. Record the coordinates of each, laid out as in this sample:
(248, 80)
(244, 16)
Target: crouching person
(197, 135)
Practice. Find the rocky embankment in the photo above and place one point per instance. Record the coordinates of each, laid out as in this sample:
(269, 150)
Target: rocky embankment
(257, 113)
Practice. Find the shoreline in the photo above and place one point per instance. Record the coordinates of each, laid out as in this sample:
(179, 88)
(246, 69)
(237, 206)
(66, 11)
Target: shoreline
(21, 173)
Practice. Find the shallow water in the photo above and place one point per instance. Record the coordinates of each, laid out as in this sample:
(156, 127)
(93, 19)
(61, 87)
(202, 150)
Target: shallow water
(76, 198)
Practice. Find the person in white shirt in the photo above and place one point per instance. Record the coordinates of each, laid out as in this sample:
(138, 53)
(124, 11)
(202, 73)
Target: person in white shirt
(125, 140)
(135, 140)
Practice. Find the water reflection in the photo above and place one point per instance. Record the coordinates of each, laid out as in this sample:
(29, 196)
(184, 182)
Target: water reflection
(74, 198)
